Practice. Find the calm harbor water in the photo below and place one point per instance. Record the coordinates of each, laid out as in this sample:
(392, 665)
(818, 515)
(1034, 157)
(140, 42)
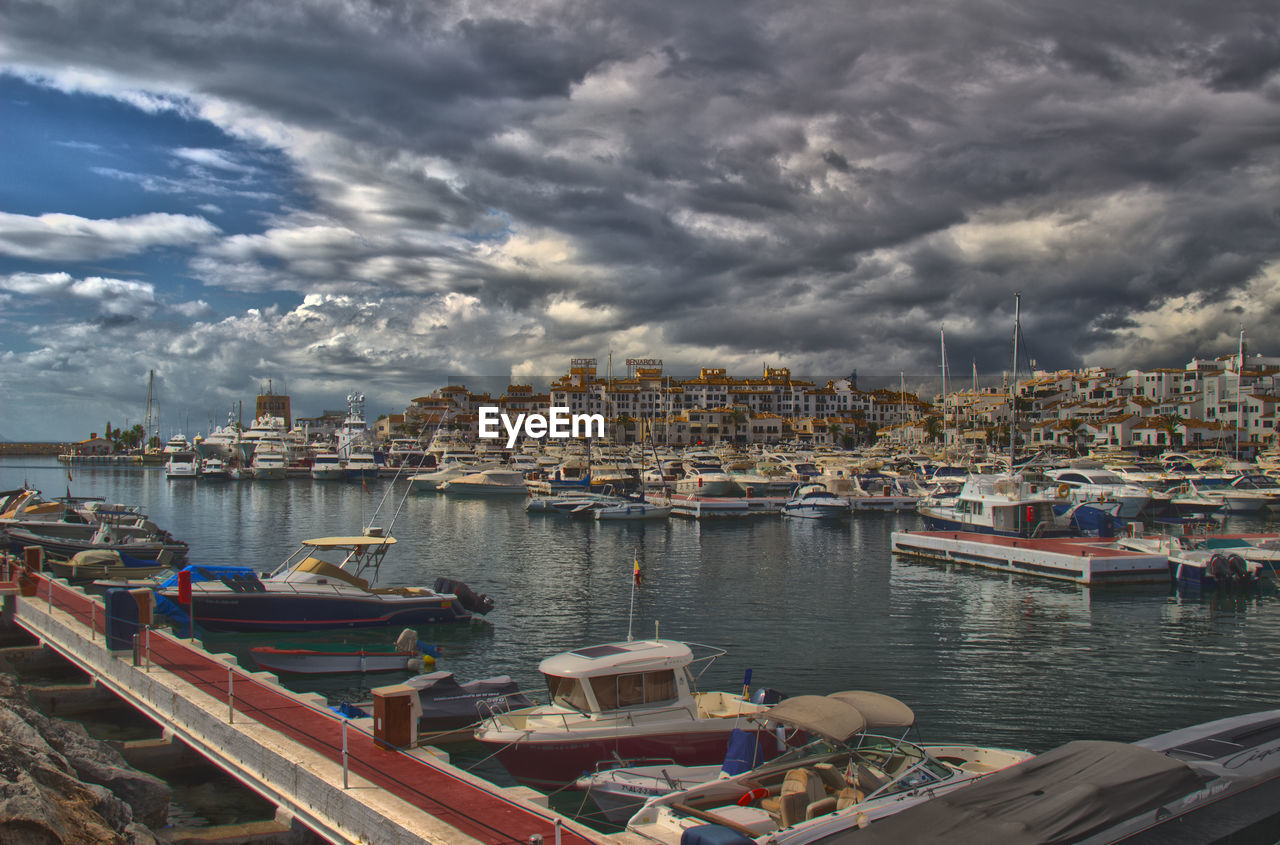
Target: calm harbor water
(811, 608)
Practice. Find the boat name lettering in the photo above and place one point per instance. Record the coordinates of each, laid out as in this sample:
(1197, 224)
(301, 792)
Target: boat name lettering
(559, 424)
(1253, 755)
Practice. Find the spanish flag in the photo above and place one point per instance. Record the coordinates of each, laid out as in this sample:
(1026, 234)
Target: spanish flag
(637, 571)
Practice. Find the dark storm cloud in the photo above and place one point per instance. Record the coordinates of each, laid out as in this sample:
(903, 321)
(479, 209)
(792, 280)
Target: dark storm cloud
(832, 181)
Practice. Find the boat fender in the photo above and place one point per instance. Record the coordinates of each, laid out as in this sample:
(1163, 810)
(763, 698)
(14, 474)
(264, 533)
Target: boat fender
(1063, 491)
(752, 795)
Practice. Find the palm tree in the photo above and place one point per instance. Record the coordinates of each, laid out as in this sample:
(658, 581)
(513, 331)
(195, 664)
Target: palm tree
(1075, 430)
(1169, 424)
(623, 422)
(933, 428)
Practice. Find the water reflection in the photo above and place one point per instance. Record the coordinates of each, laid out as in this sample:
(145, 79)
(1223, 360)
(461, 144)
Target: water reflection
(810, 606)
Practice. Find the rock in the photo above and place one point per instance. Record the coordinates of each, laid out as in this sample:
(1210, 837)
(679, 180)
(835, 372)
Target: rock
(43, 797)
(97, 762)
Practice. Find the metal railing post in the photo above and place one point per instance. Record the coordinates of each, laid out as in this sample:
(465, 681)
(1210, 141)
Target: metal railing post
(231, 696)
(558, 822)
(344, 754)
(93, 618)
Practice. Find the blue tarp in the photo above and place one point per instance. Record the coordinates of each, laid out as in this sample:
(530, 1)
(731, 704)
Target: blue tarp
(198, 573)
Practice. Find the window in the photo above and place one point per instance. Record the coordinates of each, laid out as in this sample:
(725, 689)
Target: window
(614, 691)
(567, 692)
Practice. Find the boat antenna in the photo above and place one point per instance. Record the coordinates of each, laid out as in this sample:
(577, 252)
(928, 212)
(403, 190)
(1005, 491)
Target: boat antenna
(635, 582)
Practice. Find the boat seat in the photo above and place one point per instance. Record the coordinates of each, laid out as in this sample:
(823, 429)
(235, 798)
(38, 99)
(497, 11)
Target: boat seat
(233, 584)
(800, 788)
(830, 776)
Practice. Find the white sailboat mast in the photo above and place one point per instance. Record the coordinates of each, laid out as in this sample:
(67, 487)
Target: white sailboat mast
(1013, 382)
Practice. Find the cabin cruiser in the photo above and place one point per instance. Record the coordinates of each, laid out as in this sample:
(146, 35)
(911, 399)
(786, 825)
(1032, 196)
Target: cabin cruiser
(487, 482)
(1234, 499)
(360, 464)
(309, 592)
(1007, 505)
(814, 501)
(843, 776)
(214, 469)
(327, 466)
(632, 699)
(181, 464)
(1205, 783)
(1087, 486)
(706, 480)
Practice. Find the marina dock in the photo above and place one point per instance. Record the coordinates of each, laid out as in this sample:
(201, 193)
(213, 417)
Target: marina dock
(1082, 560)
(339, 781)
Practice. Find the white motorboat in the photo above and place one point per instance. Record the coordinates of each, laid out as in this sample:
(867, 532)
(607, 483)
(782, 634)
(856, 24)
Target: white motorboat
(448, 470)
(707, 481)
(1234, 499)
(327, 466)
(360, 464)
(815, 501)
(182, 464)
(1089, 486)
(633, 699)
(270, 457)
(214, 469)
(1215, 782)
(488, 482)
(628, 510)
(845, 776)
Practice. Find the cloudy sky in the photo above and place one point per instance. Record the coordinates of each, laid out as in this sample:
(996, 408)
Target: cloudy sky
(389, 194)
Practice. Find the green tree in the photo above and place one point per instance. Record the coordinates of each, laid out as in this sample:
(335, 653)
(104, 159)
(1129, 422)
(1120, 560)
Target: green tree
(933, 428)
(1169, 424)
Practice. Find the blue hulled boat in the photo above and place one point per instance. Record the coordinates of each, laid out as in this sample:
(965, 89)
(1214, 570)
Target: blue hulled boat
(308, 592)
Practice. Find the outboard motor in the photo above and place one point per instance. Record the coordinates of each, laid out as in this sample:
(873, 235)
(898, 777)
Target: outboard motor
(469, 598)
(765, 695)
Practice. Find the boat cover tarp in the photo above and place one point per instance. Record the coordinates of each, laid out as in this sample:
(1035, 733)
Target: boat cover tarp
(1062, 796)
(821, 715)
(881, 711)
(107, 557)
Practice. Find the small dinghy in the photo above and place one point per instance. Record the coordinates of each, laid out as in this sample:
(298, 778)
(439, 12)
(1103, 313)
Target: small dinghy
(408, 654)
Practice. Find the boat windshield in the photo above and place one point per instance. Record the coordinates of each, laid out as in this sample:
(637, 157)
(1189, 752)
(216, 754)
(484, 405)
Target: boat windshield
(568, 692)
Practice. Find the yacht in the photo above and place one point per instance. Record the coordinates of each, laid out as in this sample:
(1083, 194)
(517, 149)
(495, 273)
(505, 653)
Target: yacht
(487, 482)
(327, 466)
(706, 480)
(1081, 486)
(360, 464)
(214, 469)
(181, 464)
(270, 458)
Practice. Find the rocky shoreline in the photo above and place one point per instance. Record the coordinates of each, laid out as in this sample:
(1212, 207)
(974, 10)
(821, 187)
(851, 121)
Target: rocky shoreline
(59, 785)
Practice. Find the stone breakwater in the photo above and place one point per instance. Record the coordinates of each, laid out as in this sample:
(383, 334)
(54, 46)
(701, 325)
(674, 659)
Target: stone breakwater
(59, 785)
